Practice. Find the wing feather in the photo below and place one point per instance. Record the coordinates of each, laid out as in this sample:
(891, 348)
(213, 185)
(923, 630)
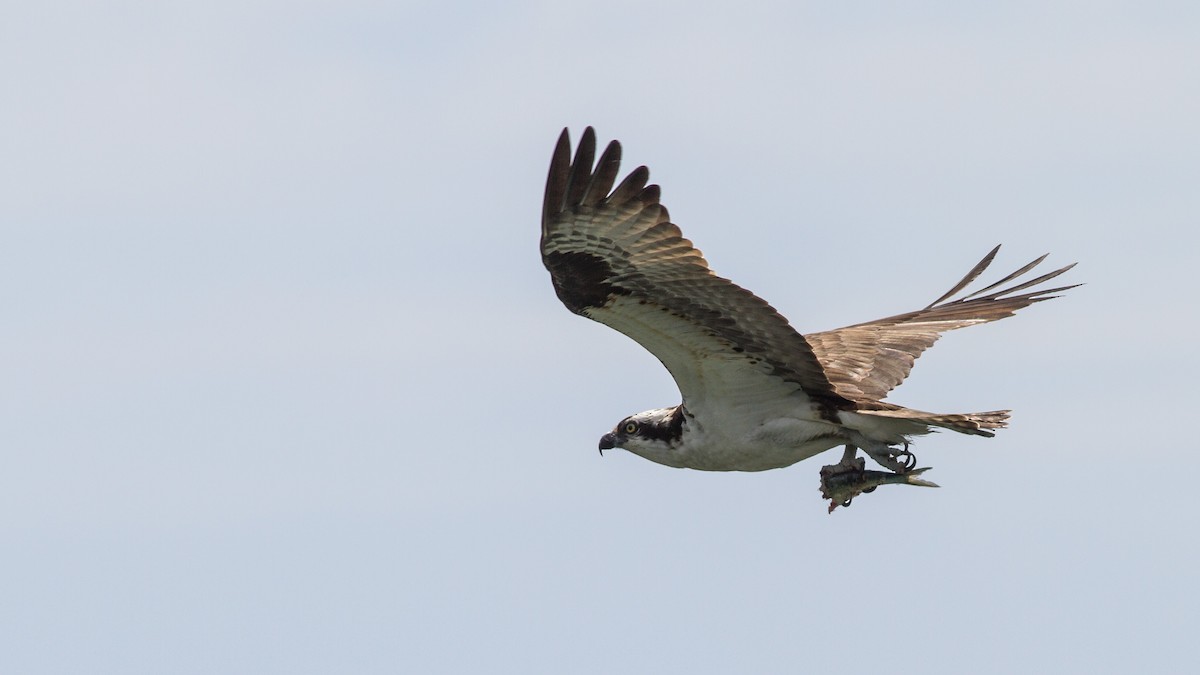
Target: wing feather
(633, 186)
(579, 179)
(971, 276)
(616, 258)
(606, 173)
(866, 361)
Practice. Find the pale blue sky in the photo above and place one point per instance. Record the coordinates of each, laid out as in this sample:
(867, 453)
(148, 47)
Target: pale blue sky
(285, 389)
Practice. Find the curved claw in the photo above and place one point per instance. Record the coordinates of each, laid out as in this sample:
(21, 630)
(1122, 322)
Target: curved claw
(842, 482)
(906, 458)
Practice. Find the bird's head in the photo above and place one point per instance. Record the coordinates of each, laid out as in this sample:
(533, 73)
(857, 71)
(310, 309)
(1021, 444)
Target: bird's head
(654, 434)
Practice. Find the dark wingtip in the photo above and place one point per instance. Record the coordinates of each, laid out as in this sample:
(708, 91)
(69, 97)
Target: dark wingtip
(581, 167)
(557, 178)
(605, 174)
(970, 276)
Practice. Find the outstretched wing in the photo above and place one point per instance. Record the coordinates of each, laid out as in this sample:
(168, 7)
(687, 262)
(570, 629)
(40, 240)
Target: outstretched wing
(868, 360)
(615, 257)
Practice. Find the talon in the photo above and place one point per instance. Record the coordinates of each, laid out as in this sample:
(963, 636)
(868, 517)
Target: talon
(907, 459)
(841, 483)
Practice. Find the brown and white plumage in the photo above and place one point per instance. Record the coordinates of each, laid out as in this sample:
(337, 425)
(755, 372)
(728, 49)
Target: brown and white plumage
(615, 257)
(867, 360)
(756, 393)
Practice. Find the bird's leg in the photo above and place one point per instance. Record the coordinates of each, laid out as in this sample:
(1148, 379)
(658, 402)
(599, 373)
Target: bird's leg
(900, 461)
(842, 482)
(848, 455)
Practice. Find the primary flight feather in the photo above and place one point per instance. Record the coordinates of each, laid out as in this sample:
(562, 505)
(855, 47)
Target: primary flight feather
(756, 393)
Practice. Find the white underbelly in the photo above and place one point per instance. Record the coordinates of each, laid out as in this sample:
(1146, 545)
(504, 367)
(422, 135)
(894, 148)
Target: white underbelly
(773, 445)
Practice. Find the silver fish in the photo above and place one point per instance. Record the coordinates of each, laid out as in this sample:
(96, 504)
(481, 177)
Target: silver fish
(842, 482)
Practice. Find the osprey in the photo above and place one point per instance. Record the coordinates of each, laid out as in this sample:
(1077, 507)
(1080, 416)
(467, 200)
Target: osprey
(756, 393)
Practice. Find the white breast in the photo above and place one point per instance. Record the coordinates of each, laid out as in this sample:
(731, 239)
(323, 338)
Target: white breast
(746, 440)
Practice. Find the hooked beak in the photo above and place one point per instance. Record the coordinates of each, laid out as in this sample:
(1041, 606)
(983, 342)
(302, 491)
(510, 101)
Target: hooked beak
(607, 442)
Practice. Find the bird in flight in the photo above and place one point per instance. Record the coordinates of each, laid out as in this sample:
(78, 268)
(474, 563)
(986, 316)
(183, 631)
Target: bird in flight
(757, 394)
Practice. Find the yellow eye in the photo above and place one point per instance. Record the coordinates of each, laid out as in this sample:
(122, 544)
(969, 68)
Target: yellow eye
(631, 427)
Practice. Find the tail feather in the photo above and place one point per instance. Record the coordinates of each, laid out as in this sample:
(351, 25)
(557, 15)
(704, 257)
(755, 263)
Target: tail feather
(976, 424)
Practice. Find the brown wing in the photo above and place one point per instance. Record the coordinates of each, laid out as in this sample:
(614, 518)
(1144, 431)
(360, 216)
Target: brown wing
(615, 257)
(868, 360)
